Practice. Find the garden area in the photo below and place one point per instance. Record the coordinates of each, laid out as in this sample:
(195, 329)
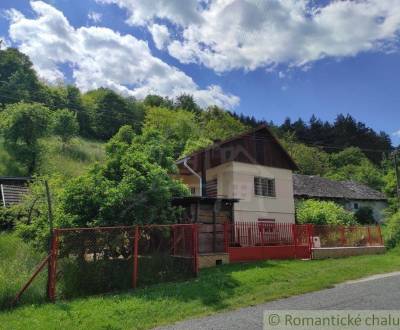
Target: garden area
(216, 289)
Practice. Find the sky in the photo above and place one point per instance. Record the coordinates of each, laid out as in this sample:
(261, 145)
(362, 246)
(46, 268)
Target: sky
(267, 58)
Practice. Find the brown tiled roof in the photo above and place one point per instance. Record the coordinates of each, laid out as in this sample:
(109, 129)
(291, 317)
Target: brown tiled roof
(313, 186)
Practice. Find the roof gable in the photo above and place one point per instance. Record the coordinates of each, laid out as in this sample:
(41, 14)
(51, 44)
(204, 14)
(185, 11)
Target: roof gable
(258, 146)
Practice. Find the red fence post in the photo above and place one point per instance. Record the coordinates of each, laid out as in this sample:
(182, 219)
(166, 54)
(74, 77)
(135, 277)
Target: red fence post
(226, 239)
(342, 237)
(294, 238)
(52, 270)
(195, 249)
(380, 235)
(369, 235)
(135, 257)
(310, 232)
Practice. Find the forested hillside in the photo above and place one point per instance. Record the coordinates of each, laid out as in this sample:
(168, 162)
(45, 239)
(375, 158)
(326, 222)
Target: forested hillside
(101, 150)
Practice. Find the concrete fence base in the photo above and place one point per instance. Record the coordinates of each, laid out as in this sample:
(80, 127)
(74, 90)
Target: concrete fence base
(338, 252)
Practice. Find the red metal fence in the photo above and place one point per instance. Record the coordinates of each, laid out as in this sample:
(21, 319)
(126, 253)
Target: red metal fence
(248, 241)
(258, 241)
(325, 236)
(97, 260)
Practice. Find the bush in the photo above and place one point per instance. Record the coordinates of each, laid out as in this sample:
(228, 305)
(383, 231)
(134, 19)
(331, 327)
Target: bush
(18, 261)
(392, 230)
(365, 215)
(323, 213)
(7, 219)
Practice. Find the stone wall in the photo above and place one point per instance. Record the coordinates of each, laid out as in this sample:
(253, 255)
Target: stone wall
(212, 259)
(338, 252)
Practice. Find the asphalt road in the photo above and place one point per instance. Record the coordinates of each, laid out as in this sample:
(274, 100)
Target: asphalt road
(374, 293)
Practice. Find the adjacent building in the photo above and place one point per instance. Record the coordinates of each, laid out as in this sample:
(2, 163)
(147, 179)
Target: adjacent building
(12, 190)
(350, 194)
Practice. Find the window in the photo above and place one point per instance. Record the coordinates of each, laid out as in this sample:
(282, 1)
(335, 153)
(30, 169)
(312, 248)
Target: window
(264, 186)
(212, 188)
(356, 206)
(192, 191)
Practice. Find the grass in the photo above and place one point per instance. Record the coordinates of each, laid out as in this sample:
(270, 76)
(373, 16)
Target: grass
(217, 289)
(70, 160)
(17, 262)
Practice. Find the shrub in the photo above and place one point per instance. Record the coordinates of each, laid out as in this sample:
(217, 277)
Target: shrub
(365, 215)
(65, 125)
(7, 220)
(323, 213)
(392, 230)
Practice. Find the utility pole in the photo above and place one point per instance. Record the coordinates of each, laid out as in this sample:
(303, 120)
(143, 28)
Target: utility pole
(396, 170)
(50, 217)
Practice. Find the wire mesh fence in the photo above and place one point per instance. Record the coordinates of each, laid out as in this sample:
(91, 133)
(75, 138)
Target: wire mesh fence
(98, 260)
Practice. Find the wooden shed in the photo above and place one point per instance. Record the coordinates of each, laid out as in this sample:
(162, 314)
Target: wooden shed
(210, 213)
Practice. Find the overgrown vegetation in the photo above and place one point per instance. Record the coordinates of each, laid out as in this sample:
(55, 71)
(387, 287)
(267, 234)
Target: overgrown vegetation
(323, 213)
(17, 262)
(215, 290)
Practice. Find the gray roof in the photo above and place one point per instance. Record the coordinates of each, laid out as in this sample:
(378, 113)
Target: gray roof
(312, 186)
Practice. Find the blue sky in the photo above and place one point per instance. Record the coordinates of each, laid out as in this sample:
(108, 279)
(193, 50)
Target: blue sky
(268, 59)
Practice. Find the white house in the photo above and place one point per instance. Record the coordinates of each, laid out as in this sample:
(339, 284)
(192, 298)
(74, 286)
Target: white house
(252, 167)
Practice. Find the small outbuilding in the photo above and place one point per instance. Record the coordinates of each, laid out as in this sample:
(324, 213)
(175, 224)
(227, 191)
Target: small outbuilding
(352, 195)
(12, 189)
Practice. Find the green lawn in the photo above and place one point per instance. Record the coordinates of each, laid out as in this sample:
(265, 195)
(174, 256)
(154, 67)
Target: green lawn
(217, 289)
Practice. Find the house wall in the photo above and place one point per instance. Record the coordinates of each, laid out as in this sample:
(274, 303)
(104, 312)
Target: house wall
(378, 207)
(236, 180)
(252, 207)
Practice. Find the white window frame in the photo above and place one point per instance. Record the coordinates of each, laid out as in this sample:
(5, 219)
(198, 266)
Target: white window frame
(263, 188)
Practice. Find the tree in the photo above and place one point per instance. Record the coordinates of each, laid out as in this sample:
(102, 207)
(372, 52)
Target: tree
(134, 186)
(157, 101)
(23, 124)
(18, 79)
(195, 144)
(108, 112)
(75, 104)
(311, 161)
(186, 102)
(352, 164)
(64, 125)
(176, 126)
(323, 213)
(217, 124)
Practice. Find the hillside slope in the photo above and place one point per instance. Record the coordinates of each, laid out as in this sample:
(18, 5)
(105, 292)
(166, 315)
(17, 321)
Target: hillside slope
(70, 160)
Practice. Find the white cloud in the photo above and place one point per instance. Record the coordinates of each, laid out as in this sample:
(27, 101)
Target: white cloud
(102, 57)
(182, 12)
(160, 35)
(397, 133)
(95, 17)
(248, 34)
